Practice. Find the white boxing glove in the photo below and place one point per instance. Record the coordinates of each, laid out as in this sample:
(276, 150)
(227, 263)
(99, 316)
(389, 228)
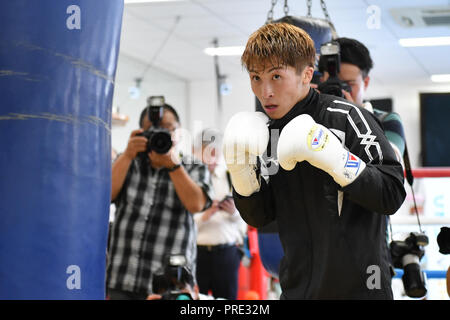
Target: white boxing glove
(246, 136)
(302, 139)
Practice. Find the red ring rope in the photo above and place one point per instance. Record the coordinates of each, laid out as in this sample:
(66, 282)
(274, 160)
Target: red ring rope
(431, 172)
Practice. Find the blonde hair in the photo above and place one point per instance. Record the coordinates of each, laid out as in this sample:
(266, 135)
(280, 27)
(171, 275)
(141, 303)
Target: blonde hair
(279, 44)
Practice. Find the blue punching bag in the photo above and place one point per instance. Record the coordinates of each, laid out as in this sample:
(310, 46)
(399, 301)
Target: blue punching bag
(57, 67)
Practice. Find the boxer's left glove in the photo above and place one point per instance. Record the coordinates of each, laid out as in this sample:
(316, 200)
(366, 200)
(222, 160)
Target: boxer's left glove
(302, 139)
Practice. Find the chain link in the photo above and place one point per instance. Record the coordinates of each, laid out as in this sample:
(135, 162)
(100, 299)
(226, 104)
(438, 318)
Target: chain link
(270, 13)
(309, 6)
(327, 17)
(286, 7)
(325, 11)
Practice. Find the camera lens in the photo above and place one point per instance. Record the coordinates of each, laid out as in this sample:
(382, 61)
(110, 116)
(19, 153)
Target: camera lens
(413, 278)
(161, 142)
(332, 89)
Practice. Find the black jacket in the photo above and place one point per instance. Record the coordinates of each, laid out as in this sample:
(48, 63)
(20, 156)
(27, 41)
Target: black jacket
(330, 255)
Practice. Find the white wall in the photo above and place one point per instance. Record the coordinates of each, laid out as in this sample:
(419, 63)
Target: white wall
(155, 82)
(204, 104)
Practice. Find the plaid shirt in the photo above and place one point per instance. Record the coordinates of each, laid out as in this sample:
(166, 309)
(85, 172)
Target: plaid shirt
(150, 223)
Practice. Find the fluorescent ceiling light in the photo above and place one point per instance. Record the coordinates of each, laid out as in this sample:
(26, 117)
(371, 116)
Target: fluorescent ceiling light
(440, 78)
(425, 42)
(225, 51)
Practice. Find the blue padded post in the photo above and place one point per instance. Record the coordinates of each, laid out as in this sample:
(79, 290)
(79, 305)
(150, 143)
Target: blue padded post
(57, 67)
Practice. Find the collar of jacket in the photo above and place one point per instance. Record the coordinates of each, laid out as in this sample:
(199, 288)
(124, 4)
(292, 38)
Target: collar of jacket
(299, 108)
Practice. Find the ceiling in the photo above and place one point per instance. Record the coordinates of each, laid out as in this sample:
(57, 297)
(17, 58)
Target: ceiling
(170, 36)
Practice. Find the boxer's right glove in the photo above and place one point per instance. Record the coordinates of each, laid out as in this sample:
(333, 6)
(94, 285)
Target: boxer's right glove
(246, 136)
(302, 139)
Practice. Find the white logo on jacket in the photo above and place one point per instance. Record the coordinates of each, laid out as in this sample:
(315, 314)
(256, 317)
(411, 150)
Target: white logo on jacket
(270, 165)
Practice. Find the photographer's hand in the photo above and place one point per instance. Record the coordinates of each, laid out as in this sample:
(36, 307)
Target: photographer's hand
(228, 206)
(210, 211)
(167, 160)
(348, 96)
(121, 165)
(190, 194)
(135, 145)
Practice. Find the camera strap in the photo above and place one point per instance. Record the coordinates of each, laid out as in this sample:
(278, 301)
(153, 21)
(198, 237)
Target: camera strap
(409, 178)
(229, 181)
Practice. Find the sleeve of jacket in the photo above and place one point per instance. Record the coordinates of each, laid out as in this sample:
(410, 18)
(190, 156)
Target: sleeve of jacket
(380, 187)
(257, 210)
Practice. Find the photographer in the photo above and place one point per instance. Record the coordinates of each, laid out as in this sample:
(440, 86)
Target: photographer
(155, 195)
(174, 281)
(355, 66)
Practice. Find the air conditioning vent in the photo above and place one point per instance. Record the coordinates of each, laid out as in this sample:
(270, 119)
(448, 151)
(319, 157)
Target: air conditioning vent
(422, 16)
(437, 20)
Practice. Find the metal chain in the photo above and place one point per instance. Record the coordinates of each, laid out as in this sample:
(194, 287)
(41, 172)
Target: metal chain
(270, 13)
(325, 11)
(309, 6)
(286, 8)
(327, 17)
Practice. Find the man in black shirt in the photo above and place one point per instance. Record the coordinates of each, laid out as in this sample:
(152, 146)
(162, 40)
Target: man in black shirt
(318, 165)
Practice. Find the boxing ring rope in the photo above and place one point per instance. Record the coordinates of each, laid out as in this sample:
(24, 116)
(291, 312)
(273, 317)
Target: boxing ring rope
(431, 274)
(429, 172)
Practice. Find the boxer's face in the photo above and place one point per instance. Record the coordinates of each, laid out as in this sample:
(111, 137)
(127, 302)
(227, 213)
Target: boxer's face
(279, 88)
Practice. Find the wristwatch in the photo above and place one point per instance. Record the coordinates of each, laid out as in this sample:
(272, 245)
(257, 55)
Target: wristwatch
(175, 167)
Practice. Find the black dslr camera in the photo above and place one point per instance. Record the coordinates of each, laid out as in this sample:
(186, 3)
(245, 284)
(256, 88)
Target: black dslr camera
(173, 278)
(406, 255)
(330, 61)
(159, 139)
